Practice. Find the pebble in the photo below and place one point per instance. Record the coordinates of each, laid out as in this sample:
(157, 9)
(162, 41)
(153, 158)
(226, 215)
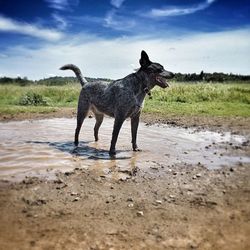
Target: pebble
(130, 199)
(140, 213)
(32, 243)
(73, 193)
(130, 205)
(124, 178)
(154, 167)
(158, 202)
(59, 181)
(77, 199)
(198, 175)
(68, 173)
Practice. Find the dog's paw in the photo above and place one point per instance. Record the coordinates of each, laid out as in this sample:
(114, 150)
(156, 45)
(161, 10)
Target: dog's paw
(112, 152)
(137, 149)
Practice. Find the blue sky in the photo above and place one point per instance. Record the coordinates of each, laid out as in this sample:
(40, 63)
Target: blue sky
(105, 37)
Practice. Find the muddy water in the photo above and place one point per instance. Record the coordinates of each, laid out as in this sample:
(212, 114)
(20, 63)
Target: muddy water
(44, 147)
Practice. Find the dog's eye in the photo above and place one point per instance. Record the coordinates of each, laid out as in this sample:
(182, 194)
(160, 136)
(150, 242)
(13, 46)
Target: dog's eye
(159, 70)
(150, 70)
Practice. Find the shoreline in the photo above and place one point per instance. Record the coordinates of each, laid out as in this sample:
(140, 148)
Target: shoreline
(238, 125)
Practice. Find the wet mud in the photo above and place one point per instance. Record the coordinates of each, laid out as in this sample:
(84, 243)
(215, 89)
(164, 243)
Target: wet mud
(44, 147)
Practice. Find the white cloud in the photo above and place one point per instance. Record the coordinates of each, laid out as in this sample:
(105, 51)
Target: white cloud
(117, 3)
(62, 4)
(51, 75)
(177, 11)
(57, 4)
(112, 20)
(213, 52)
(2, 55)
(61, 22)
(10, 25)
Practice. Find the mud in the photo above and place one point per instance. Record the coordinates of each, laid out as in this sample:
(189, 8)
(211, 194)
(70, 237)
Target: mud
(188, 189)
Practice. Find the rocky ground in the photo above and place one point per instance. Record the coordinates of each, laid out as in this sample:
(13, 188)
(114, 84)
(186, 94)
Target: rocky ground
(171, 207)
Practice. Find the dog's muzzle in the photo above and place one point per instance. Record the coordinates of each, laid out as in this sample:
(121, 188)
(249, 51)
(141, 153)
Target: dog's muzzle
(162, 78)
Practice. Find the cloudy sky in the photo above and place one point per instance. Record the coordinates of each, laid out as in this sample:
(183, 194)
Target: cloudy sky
(105, 37)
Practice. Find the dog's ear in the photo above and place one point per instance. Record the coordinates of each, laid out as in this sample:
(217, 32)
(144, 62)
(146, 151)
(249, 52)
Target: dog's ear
(144, 61)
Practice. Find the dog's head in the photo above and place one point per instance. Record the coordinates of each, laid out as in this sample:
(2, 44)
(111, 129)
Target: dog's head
(156, 72)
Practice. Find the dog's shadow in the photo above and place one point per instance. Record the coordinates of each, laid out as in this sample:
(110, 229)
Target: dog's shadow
(83, 150)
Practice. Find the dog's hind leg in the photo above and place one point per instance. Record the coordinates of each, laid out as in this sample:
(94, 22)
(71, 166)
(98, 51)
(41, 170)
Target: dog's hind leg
(99, 120)
(83, 108)
(117, 126)
(134, 128)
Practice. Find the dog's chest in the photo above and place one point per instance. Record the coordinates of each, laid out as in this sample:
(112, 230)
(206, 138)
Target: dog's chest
(139, 104)
(139, 100)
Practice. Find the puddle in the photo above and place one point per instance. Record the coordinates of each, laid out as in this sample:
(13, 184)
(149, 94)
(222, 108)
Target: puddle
(44, 147)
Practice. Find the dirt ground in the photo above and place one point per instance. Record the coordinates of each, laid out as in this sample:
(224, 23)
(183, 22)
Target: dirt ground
(172, 207)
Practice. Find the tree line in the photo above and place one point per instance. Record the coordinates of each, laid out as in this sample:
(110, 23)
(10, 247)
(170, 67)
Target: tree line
(179, 77)
(210, 77)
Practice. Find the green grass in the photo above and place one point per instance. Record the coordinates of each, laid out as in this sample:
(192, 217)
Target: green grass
(15, 109)
(180, 99)
(11, 96)
(201, 99)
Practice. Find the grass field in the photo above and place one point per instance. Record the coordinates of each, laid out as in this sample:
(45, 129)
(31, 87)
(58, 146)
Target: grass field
(230, 99)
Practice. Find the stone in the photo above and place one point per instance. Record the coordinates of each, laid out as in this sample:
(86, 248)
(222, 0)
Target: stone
(140, 213)
(158, 202)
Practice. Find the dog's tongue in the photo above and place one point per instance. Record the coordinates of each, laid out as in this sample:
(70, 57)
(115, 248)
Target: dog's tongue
(164, 81)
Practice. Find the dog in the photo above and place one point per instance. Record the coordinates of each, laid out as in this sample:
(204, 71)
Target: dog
(120, 99)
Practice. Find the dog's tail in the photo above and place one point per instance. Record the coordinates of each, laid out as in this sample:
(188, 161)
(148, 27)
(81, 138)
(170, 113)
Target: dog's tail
(77, 72)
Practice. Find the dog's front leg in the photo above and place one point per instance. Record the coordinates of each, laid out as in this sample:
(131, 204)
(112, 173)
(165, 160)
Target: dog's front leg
(117, 126)
(134, 128)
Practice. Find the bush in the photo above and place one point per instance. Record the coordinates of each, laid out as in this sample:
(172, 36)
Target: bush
(31, 98)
